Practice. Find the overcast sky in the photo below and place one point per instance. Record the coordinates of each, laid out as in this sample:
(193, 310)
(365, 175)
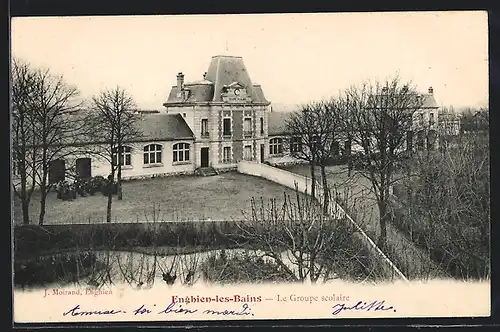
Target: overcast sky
(295, 57)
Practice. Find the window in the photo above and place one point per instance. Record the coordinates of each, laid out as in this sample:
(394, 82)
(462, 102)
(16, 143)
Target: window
(204, 127)
(227, 127)
(295, 144)
(181, 152)
(226, 158)
(124, 158)
(152, 154)
(247, 127)
(275, 146)
(184, 114)
(247, 152)
(431, 119)
(262, 126)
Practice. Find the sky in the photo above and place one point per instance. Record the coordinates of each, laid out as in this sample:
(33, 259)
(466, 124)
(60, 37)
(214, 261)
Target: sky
(296, 58)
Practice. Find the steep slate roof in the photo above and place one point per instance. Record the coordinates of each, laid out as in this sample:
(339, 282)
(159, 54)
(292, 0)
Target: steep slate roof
(277, 123)
(427, 100)
(222, 71)
(164, 127)
(198, 92)
(154, 127)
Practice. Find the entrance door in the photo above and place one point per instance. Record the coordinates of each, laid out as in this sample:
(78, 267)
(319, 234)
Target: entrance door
(83, 168)
(57, 171)
(204, 157)
(262, 153)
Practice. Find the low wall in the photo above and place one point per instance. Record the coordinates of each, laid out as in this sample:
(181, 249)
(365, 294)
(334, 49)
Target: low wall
(31, 240)
(303, 185)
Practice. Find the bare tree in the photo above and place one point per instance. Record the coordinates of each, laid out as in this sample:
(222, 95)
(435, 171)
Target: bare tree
(380, 116)
(331, 130)
(44, 129)
(449, 210)
(304, 243)
(23, 135)
(315, 130)
(116, 124)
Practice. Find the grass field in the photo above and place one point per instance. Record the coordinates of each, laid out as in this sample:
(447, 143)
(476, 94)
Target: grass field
(222, 197)
(362, 203)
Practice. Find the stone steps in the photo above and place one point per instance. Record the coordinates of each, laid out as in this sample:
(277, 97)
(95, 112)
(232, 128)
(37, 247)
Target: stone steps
(207, 171)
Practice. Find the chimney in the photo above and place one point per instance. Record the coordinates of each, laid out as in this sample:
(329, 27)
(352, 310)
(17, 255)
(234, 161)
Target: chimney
(431, 90)
(180, 81)
(205, 75)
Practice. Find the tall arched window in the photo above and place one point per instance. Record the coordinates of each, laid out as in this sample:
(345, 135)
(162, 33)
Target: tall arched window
(152, 154)
(181, 152)
(124, 158)
(276, 145)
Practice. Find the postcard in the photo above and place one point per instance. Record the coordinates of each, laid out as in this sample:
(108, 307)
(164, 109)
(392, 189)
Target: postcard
(249, 167)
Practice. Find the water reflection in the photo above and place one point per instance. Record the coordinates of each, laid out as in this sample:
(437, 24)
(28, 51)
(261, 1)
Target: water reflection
(98, 268)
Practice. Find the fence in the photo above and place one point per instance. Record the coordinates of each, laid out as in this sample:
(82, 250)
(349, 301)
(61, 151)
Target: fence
(304, 185)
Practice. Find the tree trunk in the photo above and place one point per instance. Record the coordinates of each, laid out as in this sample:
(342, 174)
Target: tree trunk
(382, 206)
(25, 206)
(119, 182)
(43, 202)
(326, 196)
(110, 188)
(313, 180)
(110, 200)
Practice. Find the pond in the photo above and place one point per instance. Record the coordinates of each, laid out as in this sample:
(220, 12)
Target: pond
(98, 268)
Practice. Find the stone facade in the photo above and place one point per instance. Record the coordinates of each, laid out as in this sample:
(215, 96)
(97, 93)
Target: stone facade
(226, 112)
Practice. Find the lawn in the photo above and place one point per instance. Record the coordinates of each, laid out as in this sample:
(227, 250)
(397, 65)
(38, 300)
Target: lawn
(362, 202)
(222, 197)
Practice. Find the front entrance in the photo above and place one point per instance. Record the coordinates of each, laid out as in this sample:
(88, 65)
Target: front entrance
(204, 157)
(57, 171)
(83, 168)
(262, 153)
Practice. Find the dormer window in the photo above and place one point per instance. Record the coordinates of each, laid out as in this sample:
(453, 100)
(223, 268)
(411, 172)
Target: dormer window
(234, 92)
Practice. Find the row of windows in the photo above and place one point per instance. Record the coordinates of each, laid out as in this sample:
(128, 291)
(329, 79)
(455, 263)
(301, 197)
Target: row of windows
(226, 153)
(276, 145)
(226, 127)
(152, 154)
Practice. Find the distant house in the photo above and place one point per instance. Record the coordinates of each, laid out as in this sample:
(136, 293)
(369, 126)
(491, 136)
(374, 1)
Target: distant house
(282, 143)
(433, 125)
(477, 121)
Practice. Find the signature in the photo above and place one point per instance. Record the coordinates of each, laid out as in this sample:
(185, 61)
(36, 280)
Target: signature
(172, 308)
(361, 305)
(77, 311)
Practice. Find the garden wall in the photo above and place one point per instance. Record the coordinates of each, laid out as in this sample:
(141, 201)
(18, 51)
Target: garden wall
(303, 185)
